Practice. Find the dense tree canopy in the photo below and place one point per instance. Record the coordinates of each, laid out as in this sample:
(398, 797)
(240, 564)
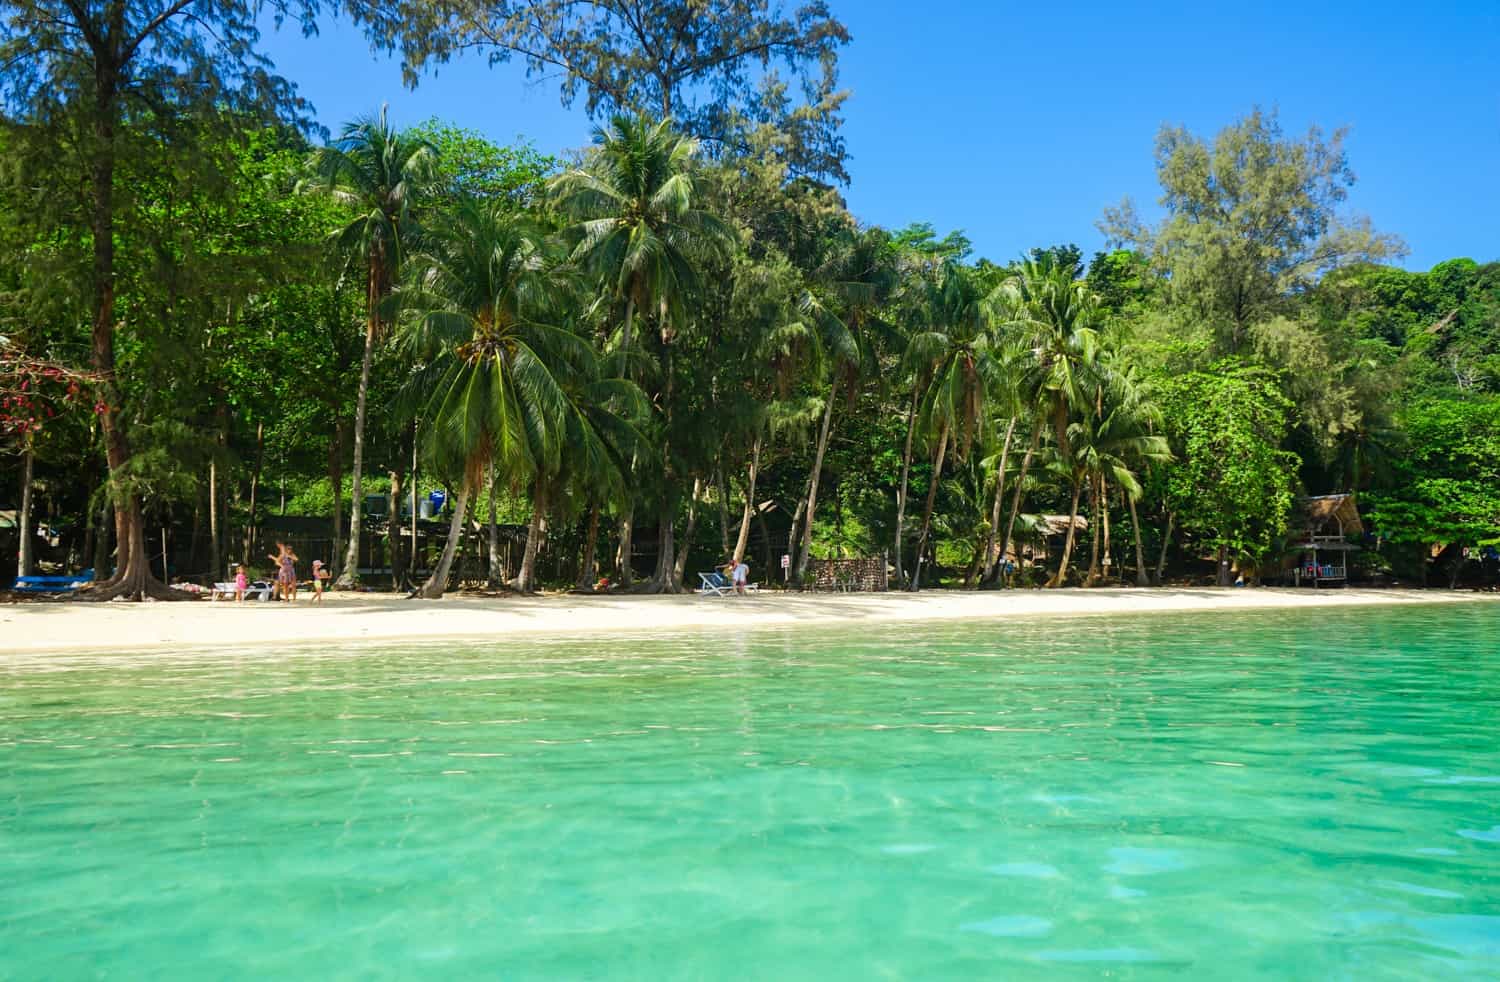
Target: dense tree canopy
(434, 359)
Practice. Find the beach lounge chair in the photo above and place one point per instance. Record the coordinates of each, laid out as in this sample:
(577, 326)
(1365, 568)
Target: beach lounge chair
(714, 585)
(53, 584)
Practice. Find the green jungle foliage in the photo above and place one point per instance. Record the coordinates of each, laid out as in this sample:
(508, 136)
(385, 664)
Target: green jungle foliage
(681, 346)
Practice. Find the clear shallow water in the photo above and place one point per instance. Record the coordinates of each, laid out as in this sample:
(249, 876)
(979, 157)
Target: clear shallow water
(1299, 795)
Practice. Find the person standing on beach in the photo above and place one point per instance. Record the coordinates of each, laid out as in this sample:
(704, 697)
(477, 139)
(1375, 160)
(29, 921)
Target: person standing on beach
(286, 572)
(240, 583)
(741, 577)
(320, 573)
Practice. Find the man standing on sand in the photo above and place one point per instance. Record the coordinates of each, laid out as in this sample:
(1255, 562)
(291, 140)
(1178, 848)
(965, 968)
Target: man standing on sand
(741, 576)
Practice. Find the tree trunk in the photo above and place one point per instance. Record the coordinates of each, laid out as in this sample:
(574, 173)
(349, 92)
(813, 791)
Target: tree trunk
(102, 544)
(723, 493)
(588, 570)
(409, 557)
(214, 559)
(1015, 501)
(132, 576)
(1141, 579)
(744, 537)
(679, 568)
(493, 580)
(349, 574)
(1222, 573)
(1067, 556)
(437, 583)
(250, 527)
(90, 534)
(989, 542)
(911, 427)
(526, 579)
(1109, 562)
(1095, 496)
(975, 565)
(624, 552)
(1161, 559)
(812, 484)
(336, 481)
(937, 478)
(765, 544)
(28, 538)
(393, 532)
(662, 580)
(215, 532)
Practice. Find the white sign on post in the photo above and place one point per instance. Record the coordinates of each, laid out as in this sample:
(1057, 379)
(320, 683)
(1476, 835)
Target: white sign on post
(786, 561)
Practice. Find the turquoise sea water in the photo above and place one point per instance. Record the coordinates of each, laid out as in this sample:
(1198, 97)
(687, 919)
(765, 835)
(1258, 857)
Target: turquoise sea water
(1293, 795)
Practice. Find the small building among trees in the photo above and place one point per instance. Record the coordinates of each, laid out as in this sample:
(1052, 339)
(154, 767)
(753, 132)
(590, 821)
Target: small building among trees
(1320, 546)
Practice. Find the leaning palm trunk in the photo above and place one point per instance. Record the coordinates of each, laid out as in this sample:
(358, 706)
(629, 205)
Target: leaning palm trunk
(589, 567)
(437, 583)
(743, 540)
(349, 575)
(1166, 540)
(812, 486)
(937, 477)
(1015, 502)
(1096, 496)
(679, 568)
(911, 427)
(535, 533)
(989, 540)
(1067, 556)
(794, 534)
(1141, 579)
(976, 564)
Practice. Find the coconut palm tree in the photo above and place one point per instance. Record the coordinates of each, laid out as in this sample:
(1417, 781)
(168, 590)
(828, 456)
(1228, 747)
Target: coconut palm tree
(1050, 314)
(477, 298)
(1107, 441)
(639, 230)
(858, 277)
(379, 174)
(603, 427)
(966, 370)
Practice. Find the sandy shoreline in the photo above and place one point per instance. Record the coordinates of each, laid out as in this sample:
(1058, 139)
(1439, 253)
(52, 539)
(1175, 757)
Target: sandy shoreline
(342, 618)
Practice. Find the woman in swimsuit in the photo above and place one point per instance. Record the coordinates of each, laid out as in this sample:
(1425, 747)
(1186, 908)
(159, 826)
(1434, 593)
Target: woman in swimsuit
(286, 572)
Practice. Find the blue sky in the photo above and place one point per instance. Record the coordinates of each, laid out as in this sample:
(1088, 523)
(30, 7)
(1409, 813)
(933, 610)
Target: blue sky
(1019, 123)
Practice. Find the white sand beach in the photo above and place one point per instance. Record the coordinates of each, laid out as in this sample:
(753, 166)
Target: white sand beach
(344, 618)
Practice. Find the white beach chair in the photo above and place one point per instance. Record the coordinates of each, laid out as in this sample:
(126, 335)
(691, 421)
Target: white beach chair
(714, 585)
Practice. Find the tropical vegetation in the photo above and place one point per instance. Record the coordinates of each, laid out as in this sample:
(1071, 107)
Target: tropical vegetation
(680, 347)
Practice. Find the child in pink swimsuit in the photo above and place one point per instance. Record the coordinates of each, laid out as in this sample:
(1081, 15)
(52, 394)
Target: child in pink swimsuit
(240, 584)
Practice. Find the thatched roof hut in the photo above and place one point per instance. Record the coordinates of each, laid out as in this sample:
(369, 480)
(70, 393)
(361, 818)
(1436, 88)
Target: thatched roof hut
(1328, 517)
(1321, 524)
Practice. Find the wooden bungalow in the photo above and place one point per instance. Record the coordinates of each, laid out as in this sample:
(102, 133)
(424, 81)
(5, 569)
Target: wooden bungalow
(1320, 539)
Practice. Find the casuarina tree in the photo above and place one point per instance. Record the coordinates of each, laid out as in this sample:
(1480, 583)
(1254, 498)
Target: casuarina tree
(87, 68)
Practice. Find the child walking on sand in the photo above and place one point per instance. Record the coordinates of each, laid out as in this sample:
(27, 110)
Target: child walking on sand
(240, 583)
(320, 574)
